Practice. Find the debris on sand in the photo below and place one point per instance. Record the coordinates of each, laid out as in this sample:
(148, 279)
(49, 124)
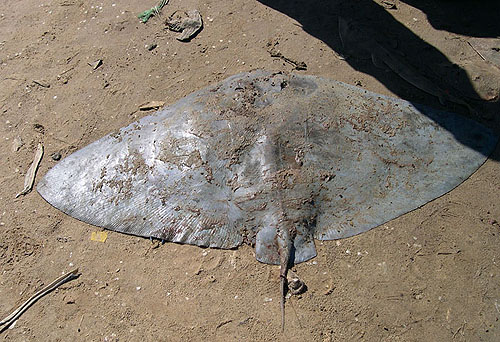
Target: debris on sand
(42, 83)
(144, 16)
(277, 53)
(56, 156)
(151, 47)
(151, 105)
(29, 179)
(17, 143)
(95, 64)
(12, 318)
(487, 48)
(99, 236)
(188, 26)
(389, 5)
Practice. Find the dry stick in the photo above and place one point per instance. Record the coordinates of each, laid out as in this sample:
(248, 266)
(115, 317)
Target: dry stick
(473, 48)
(29, 179)
(80, 324)
(52, 286)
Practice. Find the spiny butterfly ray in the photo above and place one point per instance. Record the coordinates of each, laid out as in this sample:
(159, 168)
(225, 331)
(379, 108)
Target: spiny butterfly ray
(271, 160)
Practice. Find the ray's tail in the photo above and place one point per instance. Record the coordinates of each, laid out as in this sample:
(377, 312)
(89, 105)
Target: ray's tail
(285, 245)
(284, 287)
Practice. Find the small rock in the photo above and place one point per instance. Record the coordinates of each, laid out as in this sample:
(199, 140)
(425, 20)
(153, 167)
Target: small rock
(329, 291)
(39, 128)
(151, 47)
(96, 64)
(296, 286)
(17, 143)
(188, 24)
(389, 5)
(55, 156)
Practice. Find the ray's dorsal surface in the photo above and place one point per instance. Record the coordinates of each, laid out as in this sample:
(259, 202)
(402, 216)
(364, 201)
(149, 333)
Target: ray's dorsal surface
(271, 160)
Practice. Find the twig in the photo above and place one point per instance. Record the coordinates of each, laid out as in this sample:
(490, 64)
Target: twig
(461, 328)
(223, 323)
(29, 179)
(298, 65)
(65, 71)
(473, 48)
(7, 321)
(80, 324)
(42, 83)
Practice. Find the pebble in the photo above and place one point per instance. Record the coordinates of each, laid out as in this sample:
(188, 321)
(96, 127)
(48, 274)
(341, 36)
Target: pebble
(17, 143)
(55, 156)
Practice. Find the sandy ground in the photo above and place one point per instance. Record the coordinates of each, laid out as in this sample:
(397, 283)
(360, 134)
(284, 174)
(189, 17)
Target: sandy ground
(430, 275)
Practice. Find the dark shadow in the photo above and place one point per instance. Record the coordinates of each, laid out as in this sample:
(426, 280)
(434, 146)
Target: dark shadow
(373, 24)
(475, 18)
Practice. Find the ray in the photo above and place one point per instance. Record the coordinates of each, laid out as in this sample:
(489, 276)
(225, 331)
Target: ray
(354, 38)
(271, 160)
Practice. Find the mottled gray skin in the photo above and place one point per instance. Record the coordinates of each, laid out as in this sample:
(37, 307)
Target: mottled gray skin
(271, 160)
